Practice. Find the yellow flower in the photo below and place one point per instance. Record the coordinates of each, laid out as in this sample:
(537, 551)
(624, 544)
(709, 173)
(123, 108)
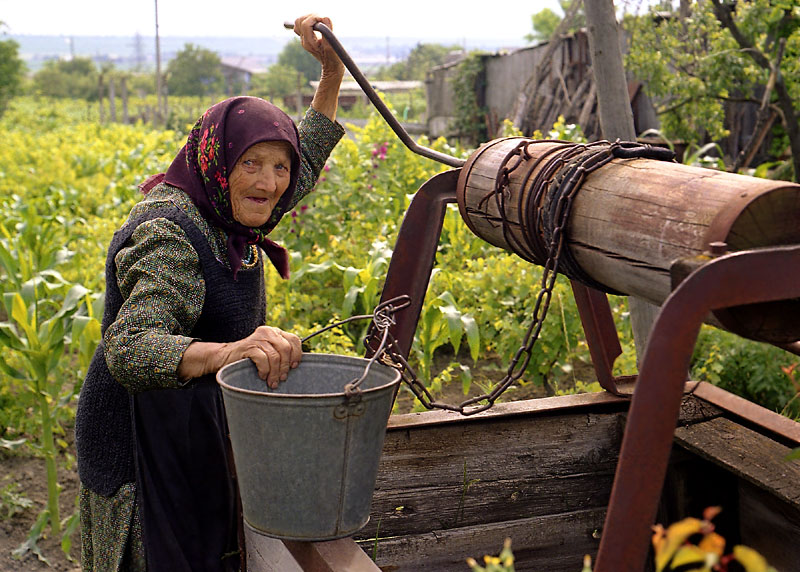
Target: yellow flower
(750, 559)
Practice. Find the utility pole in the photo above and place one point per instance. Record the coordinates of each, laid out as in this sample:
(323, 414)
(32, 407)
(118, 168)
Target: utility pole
(616, 120)
(159, 87)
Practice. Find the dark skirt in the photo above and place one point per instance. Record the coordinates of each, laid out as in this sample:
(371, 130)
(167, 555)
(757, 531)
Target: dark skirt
(185, 486)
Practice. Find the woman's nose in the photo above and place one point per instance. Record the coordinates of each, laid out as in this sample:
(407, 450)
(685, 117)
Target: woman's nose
(267, 181)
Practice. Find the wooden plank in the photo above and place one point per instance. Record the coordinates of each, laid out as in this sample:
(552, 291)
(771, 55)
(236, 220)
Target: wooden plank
(747, 454)
(553, 543)
(345, 555)
(341, 555)
(747, 411)
(265, 554)
(771, 526)
(599, 402)
(491, 470)
(542, 459)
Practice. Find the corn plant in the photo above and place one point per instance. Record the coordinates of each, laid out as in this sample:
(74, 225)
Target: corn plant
(441, 323)
(49, 320)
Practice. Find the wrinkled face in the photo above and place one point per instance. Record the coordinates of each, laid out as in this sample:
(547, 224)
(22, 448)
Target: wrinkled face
(258, 180)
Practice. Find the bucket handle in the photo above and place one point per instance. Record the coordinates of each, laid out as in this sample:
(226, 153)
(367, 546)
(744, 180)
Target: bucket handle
(383, 317)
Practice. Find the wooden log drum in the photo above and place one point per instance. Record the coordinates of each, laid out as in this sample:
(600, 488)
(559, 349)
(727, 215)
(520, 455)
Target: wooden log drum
(632, 219)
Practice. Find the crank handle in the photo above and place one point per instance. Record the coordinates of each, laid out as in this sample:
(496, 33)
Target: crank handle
(370, 92)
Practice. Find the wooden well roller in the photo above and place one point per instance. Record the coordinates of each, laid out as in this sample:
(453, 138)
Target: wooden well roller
(633, 219)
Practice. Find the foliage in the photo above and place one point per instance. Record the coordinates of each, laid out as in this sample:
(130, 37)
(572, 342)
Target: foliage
(67, 79)
(195, 71)
(47, 315)
(421, 59)
(412, 103)
(11, 71)
(73, 181)
(694, 66)
(13, 501)
(503, 562)
(279, 81)
(545, 22)
(296, 57)
(750, 369)
(675, 550)
(55, 201)
(469, 110)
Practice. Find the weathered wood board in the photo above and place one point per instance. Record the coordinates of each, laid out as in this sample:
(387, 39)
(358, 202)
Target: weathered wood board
(457, 487)
(451, 488)
(540, 472)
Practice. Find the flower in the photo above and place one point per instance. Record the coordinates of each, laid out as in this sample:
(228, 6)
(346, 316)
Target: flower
(223, 182)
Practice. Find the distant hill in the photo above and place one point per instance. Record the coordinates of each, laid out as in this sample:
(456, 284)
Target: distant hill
(130, 52)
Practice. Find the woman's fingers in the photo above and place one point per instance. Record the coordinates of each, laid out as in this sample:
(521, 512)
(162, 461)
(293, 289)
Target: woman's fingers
(296, 353)
(274, 352)
(313, 42)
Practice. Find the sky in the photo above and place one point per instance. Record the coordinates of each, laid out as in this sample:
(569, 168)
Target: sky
(253, 18)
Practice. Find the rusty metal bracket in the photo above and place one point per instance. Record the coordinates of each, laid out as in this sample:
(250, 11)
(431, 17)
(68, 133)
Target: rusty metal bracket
(601, 333)
(415, 253)
(746, 277)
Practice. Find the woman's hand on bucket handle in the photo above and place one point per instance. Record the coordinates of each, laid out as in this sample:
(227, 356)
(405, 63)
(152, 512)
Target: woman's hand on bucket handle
(273, 351)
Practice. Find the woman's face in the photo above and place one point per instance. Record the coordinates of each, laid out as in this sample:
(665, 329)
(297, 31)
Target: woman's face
(258, 181)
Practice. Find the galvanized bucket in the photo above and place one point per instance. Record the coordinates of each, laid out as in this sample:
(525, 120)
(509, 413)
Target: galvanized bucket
(306, 454)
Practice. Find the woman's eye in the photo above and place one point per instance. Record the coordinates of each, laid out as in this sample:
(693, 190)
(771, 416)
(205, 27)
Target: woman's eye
(281, 167)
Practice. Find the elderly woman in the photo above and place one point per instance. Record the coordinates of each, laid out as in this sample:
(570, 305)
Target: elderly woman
(185, 296)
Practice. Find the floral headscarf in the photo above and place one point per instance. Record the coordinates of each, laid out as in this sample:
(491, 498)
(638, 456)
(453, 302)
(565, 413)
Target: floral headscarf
(204, 164)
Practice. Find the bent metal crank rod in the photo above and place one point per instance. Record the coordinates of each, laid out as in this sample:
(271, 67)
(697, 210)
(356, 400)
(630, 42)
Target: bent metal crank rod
(370, 92)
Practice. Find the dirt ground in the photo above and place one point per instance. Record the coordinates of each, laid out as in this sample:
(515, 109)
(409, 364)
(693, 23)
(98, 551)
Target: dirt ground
(29, 472)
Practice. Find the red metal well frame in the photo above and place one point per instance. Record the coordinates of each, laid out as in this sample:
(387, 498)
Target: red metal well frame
(747, 277)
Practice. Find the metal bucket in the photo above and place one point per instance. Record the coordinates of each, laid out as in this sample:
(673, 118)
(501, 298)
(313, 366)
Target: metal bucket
(306, 455)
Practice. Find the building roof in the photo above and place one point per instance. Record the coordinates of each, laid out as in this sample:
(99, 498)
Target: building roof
(244, 63)
(350, 87)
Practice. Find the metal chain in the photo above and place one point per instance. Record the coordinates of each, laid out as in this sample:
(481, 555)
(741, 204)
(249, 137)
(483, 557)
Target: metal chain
(554, 188)
(568, 167)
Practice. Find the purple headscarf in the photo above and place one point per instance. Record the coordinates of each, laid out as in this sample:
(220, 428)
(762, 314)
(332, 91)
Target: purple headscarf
(203, 166)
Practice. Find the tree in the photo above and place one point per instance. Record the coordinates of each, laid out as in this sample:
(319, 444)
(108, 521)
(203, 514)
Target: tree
(195, 71)
(419, 61)
(280, 81)
(294, 56)
(696, 67)
(546, 21)
(11, 70)
(68, 79)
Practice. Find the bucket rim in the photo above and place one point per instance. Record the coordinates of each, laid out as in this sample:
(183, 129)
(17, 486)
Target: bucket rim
(313, 356)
